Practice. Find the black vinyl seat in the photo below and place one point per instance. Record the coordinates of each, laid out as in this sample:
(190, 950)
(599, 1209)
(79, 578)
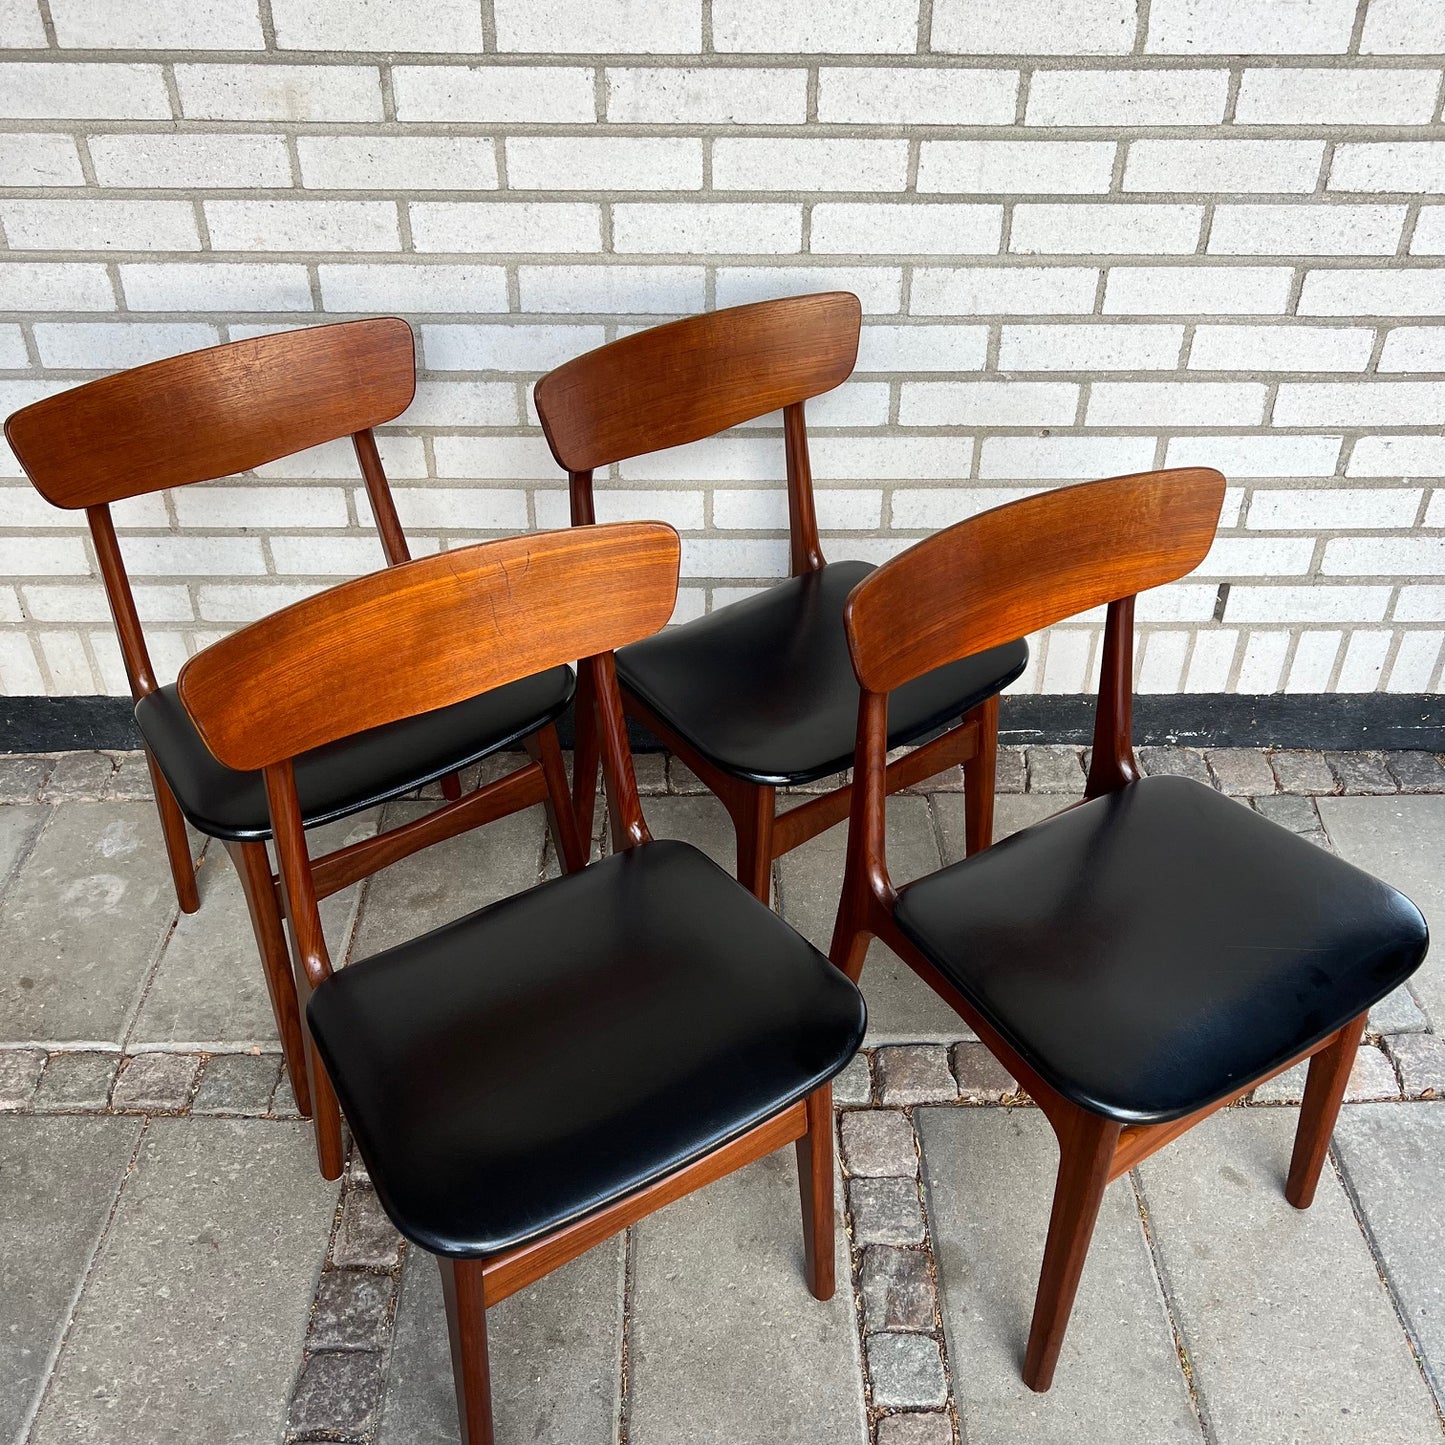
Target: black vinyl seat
(544, 1056)
(357, 772)
(1152, 951)
(765, 690)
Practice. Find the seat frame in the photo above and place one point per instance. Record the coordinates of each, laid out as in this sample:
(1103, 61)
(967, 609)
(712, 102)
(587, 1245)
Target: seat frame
(352, 372)
(628, 585)
(760, 342)
(1176, 513)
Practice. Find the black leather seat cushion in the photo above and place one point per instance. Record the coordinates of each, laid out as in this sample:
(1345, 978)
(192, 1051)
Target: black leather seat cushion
(1156, 949)
(764, 688)
(354, 773)
(560, 1049)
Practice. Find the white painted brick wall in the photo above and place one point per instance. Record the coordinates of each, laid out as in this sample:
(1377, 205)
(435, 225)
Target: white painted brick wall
(1088, 240)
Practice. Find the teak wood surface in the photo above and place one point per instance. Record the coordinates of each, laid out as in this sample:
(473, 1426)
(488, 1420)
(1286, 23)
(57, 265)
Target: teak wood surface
(1008, 571)
(522, 605)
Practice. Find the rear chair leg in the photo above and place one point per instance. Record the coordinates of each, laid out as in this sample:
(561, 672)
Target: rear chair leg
(1324, 1092)
(467, 1326)
(978, 778)
(815, 1185)
(326, 1116)
(753, 810)
(544, 749)
(178, 843)
(586, 755)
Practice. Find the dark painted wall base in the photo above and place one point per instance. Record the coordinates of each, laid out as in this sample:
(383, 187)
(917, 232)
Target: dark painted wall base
(1220, 720)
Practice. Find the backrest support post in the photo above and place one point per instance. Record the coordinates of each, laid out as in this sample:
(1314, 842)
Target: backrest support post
(1112, 764)
(584, 503)
(383, 505)
(867, 853)
(298, 888)
(805, 553)
(122, 602)
(624, 807)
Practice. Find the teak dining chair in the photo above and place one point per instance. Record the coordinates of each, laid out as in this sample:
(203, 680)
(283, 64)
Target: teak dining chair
(760, 695)
(531, 1079)
(1148, 955)
(212, 413)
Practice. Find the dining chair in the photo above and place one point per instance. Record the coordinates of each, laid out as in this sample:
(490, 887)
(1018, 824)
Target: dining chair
(212, 413)
(759, 694)
(532, 1078)
(1150, 954)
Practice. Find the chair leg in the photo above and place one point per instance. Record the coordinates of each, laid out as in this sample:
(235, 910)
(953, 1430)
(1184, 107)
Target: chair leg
(569, 840)
(815, 1185)
(254, 866)
(1086, 1150)
(326, 1116)
(451, 787)
(178, 843)
(467, 1327)
(586, 756)
(978, 778)
(753, 810)
(1325, 1083)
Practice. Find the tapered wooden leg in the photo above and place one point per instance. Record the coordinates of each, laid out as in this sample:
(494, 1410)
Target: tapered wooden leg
(451, 787)
(1324, 1092)
(325, 1116)
(753, 810)
(978, 778)
(467, 1326)
(815, 1185)
(586, 755)
(178, 843)
(544, 749)
(1086, 1149)
(254, 865)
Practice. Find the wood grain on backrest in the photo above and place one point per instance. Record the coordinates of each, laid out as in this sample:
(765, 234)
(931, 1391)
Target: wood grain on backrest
(689, 379)
(211, 413)
(1026, 565)
(426, 634)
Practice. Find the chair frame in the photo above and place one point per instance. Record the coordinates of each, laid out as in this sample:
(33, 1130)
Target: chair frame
(784, 352)
(352, 372)
(1170, 518)
(512, 637)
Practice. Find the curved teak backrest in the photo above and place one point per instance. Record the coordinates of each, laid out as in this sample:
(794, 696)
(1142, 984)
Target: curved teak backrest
(1027, 565)
(427, 634)
(690, 379)
(211, 413)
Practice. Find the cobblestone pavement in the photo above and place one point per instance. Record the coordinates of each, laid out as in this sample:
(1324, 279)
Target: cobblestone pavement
(173, 1269)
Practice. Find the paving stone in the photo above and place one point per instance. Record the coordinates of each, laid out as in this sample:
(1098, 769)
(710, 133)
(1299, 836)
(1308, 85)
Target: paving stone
(131, 780)
(1371, 1077)
(1305, 773)
(366, 1237)
(855, 1084)
(911, 1429)
(1399, 1012)
(194, 1317)
(833, 781)
(338, 1393)
(878, 1142)
(990, 1178)
(19, 1074)
(650, 769)
(1011, 814)
(58, 1179)
(1421, 1061)
(906, 1370)
(1011, 772)
(19, 828)
(700, 820)
(76, 1081)
(22, 775)
(555, 1350)
(681, 778)
(1361, 773)
(155, 1082)
(1417, 772)
(83, 920)
(353, 1310)
(885, 1211)
(727, 1344)
(897, 1289)
(914, 1074)
(1175, 763)
(237, 1084)
(1297, 814)
(497, 765)
(981, 1078)
(1290, 1333)
(1240, 772)
(283, 1101)
(78, 777)
(1394, 1160)
(1055, 769)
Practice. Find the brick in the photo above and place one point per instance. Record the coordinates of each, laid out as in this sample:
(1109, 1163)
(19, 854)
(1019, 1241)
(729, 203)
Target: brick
(191, 162)
(237, 1084)
(398, 163)
(179, 556)
(683, 510)
(1297, 229)
(1064, 458)
(726, 458)
(683, 229)
(585, 163)
(1403, 27)
(1384, 556)
(555, 94)
(1397, 165)
(981, 1078)
(302, 225)
(915, 1429)
(882, 458)
(221, 602)
(19, 1073)
(88, 345)
(873, 27)
(729, 559)
(634, 27)
(366, 1238)
(1400, 456)
(502, 226)
(1354, 403)
(1240, 772)
(1262, 663)
(879, 288)
(878, 1143)
(462, 508)
(1222, 165)
(230, 506)
(215, 286)
(433, 287)
(987, 403)
(1258, 456)
(885, 1211)
(854, 1085)
(692, 95)
(891, 349)
(330, 93)
(1364, 661)
(380, 25)
(1414, 348)
(76, 1081)
(337, 1396)
(591, 290)
(1007, 167)
(203, 25)
(1053, 27)
(83, 92)
(897, 1289)
(1281, 348)
(1314, 661)
(1417, 772)
(463, 403)
(40, 160)
(1106, 228)
(1417, 656)
(1143, 403)
(1307, 604)
(20, 25)
(776, 164)
(1337, 97)
(1222, 290)
(1003, 290)
(1117, 98)
(1333, 509)
(155, 1083)
(88, 225)
(1242, 27)
(42, 556)
(906, 1370)
(352, 1311)
(882, 228)
(506, 348)
(913, 1074)
(12, 356)
(878, 95)
(927, 510)
(1175, 763)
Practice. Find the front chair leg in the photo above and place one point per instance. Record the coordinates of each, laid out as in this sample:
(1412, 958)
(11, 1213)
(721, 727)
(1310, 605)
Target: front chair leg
(326, 1116)
(1086, 1151)
(815, 1185)
(544, 749)
(1325, 1084)
(978, 778)
(467, 1327)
